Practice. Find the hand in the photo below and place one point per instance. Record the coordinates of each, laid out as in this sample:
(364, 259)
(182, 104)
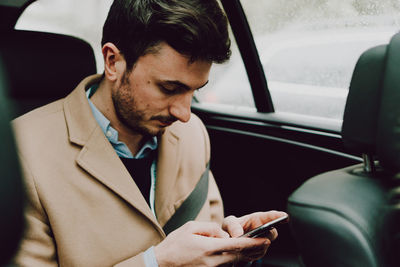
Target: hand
(238, 226)
(201, 244)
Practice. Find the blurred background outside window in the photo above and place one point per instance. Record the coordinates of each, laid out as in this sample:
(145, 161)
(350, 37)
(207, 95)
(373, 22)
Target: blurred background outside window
(308, 48)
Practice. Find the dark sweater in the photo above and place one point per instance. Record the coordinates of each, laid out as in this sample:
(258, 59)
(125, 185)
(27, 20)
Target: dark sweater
(140, 169)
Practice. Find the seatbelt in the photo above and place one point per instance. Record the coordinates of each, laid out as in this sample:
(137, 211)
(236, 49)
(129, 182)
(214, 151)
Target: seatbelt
(192, 205)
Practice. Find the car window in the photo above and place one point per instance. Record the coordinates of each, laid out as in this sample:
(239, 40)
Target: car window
(308, 49)
(83, 19)
(60, 16)
(225, 91)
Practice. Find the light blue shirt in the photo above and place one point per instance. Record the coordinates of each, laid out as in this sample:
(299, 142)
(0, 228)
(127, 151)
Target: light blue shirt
(123, 151)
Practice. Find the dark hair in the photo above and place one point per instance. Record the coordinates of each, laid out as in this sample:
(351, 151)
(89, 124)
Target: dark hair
(195, 28)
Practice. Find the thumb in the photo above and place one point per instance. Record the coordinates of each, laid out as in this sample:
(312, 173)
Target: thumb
(232, 225)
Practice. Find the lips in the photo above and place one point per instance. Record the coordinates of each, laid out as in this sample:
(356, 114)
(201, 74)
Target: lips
(165, 123)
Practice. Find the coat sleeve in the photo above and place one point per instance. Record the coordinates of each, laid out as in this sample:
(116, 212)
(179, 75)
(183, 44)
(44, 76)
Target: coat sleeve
(37, 247)
(214, 198)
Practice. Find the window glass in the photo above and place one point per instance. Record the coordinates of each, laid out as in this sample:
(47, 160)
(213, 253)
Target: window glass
(83, 19)
(228, 85)
(309, 48)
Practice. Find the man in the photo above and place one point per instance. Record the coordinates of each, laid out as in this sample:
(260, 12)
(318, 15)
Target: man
(109, 166)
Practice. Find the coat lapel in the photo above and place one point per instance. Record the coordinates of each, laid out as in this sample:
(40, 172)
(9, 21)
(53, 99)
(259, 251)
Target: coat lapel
(167, 172)
(97, 156)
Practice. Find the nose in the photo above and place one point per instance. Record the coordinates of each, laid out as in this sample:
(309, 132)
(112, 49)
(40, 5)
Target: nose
(180, 107)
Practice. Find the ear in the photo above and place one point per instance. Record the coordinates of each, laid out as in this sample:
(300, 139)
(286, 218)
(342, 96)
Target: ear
(114, 62)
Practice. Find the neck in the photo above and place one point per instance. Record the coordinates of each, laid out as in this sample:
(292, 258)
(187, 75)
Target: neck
(102, 99)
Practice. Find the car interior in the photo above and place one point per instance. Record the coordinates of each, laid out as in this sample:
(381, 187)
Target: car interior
(339, 184)
(350, 217)
(44, 79)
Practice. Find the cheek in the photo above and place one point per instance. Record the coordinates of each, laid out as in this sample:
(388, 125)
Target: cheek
(150, 97)
(150, 104)
(147, 99)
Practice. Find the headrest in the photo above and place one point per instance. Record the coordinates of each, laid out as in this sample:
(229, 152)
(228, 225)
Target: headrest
(44, 66)
(11, 11)
(360, 119)
(388, 138)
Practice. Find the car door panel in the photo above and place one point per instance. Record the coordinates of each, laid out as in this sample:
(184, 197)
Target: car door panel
(257, 164)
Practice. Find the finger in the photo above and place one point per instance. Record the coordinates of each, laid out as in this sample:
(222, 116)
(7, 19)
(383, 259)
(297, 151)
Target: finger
(232, 225)
(219, 259)
(273, 234)
(255, 253)
(267, 216)
(206, 229)
(271, 215)
(257, 219)
(236, 245)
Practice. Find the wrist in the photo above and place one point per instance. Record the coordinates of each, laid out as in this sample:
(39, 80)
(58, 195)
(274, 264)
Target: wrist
(158, 254)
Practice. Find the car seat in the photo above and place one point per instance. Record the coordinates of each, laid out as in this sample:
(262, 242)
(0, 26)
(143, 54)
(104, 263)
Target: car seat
(351, 216)
(11, 190)
(39, 67)
(43, 67)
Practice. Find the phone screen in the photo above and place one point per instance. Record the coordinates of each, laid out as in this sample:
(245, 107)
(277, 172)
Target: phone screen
(263, 230)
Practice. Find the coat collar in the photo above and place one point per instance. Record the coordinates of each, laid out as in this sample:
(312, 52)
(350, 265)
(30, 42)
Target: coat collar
(99, 159)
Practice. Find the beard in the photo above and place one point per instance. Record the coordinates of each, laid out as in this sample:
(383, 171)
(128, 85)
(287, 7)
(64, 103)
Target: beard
(127, 111)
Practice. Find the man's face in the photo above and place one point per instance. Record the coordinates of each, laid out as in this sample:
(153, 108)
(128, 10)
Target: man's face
(158, 90)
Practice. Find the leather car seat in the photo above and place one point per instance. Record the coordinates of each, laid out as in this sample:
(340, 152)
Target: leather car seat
(43, 67)
(11, 189)
(351, 216)
(40, 67)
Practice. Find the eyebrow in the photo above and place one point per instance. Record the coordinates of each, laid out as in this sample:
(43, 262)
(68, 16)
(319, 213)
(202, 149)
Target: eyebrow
(182, 85)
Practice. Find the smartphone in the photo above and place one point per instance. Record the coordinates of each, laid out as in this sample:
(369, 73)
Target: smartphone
(264, 230)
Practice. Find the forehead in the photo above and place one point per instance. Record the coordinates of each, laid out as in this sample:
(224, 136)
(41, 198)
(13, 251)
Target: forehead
(166, 64)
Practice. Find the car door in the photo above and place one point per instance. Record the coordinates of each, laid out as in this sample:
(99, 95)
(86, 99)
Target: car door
(274, 113)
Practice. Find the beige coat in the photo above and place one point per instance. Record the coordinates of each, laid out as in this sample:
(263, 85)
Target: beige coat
(84, 209)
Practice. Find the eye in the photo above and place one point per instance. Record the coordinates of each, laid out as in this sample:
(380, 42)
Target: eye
(168, 90)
